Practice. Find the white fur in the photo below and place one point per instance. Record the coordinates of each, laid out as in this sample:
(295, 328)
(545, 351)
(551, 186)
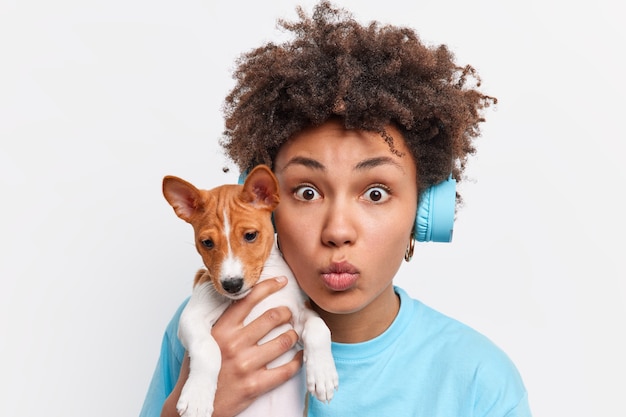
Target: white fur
(231, 267)
(287, 400)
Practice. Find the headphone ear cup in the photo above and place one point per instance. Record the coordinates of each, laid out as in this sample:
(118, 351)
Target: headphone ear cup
(435, 213)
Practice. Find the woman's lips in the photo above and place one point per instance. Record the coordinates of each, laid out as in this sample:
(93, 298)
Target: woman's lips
(340, 276)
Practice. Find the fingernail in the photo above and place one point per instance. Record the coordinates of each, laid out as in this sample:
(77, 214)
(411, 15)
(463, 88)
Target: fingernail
(281, 279)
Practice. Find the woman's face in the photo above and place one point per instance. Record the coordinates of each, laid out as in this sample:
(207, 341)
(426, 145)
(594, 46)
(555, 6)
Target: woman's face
(346, 213)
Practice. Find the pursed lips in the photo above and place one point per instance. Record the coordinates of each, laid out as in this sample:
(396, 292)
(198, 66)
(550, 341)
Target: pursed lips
(340, 276)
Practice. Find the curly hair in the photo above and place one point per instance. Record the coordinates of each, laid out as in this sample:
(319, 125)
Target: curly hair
(367, 76)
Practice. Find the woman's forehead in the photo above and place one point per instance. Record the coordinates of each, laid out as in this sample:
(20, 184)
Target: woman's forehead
(331, 144)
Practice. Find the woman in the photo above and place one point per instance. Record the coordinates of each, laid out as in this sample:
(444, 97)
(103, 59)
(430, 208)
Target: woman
(356, 122)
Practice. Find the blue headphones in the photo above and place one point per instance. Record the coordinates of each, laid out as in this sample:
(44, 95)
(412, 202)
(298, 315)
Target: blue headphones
(435, 213)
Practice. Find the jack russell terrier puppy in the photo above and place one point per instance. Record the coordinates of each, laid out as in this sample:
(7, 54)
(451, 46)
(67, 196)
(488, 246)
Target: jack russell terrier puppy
(235, 237)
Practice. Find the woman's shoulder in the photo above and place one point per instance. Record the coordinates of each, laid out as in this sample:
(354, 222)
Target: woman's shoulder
(456, 352)
(449, 339)
(172, 346)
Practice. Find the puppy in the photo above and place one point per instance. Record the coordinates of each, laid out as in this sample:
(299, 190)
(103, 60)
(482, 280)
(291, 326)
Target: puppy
(235, 237)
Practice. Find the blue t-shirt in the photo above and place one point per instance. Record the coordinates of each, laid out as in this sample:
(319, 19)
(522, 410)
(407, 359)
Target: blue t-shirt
(424, 365)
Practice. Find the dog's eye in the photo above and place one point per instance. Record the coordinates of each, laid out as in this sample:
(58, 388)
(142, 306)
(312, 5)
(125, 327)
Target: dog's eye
(207, 243)
(250, 236)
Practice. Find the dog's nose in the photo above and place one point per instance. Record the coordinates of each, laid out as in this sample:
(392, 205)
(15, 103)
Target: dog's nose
(232, 285)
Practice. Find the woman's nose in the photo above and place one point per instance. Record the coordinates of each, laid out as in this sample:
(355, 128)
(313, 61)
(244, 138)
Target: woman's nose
(339, 227)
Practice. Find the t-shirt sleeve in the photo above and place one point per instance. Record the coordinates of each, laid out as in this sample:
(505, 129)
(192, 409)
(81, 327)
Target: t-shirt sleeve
(521, 410)
(167, 368)
(501, 392)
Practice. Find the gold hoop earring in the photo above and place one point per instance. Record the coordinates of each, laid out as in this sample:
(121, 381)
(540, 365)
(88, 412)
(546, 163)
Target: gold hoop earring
(408, 255)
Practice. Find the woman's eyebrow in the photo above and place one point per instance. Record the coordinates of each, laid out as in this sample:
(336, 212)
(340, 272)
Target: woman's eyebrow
(375, 162)
(360, 166)
(306, 162)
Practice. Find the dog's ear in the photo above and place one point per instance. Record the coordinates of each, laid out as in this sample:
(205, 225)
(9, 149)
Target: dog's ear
(182, 196)
(261, 188)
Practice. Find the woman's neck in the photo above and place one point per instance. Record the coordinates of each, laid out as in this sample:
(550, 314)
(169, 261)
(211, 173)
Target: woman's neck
(365, 324)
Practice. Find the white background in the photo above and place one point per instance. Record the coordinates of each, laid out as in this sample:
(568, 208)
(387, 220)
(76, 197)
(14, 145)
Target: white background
(100, 99)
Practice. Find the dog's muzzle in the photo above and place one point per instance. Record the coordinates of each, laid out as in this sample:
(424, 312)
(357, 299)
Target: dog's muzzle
(232, 285)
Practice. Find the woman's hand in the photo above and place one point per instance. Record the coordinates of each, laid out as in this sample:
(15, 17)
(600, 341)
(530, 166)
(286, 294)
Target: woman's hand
(243, 374)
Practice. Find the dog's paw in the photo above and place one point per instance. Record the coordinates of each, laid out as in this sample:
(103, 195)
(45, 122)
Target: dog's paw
(321, 375)
(196, 399)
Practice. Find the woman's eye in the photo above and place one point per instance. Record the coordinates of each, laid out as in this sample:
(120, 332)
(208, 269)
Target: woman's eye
(376, 194)
(306, 193)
